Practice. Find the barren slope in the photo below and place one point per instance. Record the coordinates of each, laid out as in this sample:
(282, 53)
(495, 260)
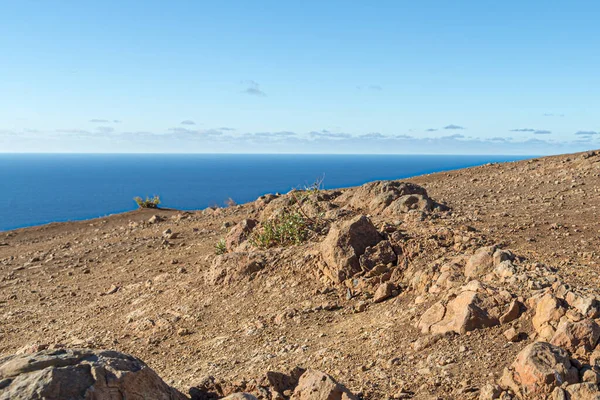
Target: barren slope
(121, 283)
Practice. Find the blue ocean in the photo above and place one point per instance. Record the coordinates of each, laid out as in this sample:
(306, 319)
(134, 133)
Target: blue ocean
(41, 188)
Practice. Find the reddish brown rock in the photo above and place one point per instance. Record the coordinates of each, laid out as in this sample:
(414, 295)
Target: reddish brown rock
(383, 292)
(571, 335)
(582, 391)
(380, 254)
(585, 304)
(512, 312)
(511, 335)
(432, 316)
(344, 244)
(481, 262)
(538, 369)
(548, 311)
(463, 314)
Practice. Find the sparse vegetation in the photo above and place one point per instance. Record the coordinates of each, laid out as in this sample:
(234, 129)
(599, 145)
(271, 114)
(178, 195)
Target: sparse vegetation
(230, 202)
(220, 247)
(148, 202)
(294, 225)
(288, 228)
(316, 186)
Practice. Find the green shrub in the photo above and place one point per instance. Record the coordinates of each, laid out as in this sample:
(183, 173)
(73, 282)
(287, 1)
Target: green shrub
(220, 247)
(302, 219)
(148, 203)
(288, 228)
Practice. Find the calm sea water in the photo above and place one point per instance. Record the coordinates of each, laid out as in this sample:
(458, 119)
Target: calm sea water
(37, 189)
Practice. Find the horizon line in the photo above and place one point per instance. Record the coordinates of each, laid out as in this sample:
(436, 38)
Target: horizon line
(283, 153)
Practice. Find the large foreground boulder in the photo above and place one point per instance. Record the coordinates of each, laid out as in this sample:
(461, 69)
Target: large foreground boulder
(344, 244)
(80, 374)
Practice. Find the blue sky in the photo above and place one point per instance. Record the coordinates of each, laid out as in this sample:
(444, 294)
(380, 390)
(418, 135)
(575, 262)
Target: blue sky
(456, 77)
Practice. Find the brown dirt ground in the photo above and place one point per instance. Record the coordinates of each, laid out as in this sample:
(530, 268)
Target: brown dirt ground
(54, 280)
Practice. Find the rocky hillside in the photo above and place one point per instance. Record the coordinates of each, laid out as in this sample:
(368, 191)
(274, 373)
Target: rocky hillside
(477, 283)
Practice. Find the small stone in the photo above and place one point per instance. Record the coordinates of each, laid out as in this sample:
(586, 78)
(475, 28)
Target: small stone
(360, 307)
(112, 289)
(511, 335)
(155, 219)
(183, 332)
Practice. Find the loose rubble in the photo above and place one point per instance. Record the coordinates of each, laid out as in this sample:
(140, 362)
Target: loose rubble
(477, 284)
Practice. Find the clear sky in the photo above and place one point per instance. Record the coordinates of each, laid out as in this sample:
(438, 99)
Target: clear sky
(504, 77)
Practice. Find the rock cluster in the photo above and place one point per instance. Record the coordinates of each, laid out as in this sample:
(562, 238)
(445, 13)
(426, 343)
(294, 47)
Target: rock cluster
(390, 291)
(299, 384)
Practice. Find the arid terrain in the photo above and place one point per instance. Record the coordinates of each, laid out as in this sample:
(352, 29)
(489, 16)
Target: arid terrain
(422, 288)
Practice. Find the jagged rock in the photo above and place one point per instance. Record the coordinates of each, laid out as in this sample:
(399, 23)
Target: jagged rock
(513, 312)
(490, 392)
(572, 335)
(505, 269)
(502, 255)
(461, 314)
(265, 199)
(239, 233)
(587, 374)
(344, 244)
(80, 374)
(481, 262)
(586, 305)
(548, 312)
(595, 358)
(383, 292)
(207, 389)
(432, 316)
(380, 254)
(315, 385)
(281, 382)
(538, 369)
(450, 276)
(234, 266)
(511, 335)
(558, 394)
(580, 391)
